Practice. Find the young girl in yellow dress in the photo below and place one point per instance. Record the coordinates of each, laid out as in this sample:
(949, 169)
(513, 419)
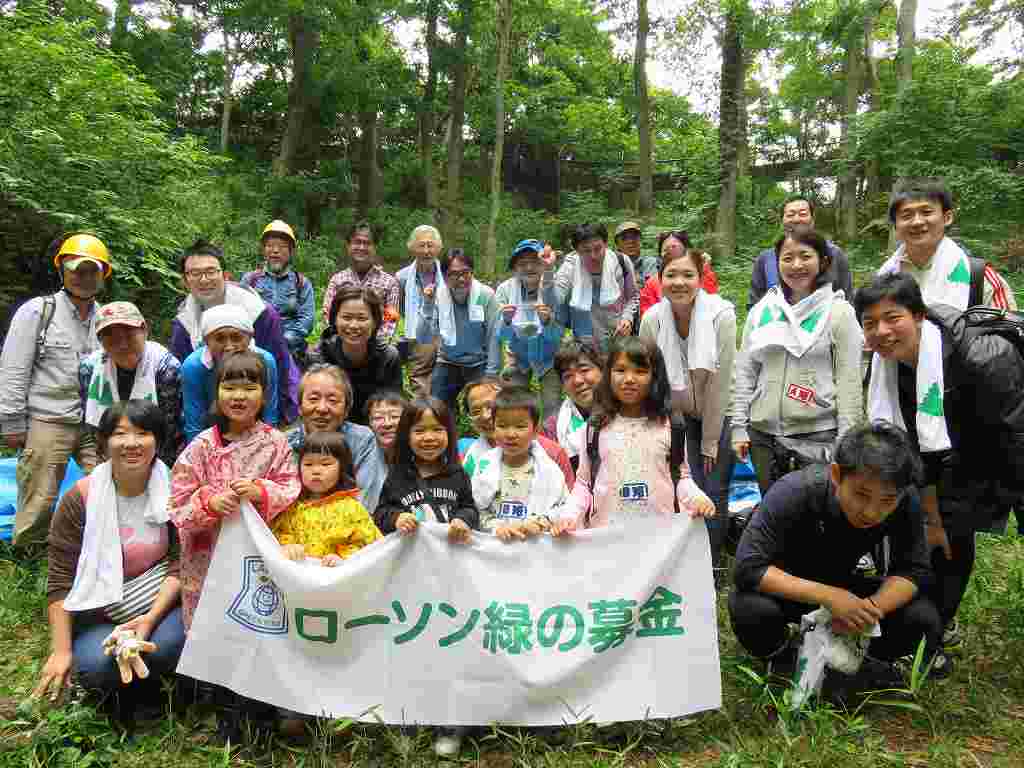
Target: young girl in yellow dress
(327, 522)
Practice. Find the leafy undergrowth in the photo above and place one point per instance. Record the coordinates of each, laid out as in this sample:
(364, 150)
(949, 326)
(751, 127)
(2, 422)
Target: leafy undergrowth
(975, 718)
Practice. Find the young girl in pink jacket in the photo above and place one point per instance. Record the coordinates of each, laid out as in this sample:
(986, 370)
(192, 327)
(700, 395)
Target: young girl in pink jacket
(631, 421)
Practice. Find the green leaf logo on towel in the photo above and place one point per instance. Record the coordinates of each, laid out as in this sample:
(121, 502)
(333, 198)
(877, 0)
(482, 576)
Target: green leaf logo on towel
(771, 315)
(99, 390)
(470, 465)
(575, 422)
(811, 320)
(932, 403)
(961, 274)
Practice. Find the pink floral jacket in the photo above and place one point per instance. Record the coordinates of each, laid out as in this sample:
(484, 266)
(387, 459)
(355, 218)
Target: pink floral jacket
(206, 468)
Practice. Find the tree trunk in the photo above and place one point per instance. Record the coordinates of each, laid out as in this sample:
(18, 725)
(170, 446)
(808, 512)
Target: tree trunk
(906, 27)
(728, 136)
(369, 174)
(504, 34)
(428, 118)
(451, 220)
(872, 170)
(645, 195)
(742, 146)
(299, 145)
(848, 174)
(119, 34)
(229, 80)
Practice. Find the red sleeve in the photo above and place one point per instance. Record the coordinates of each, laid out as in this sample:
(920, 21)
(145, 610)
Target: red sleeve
(650, 295)
(710, 280)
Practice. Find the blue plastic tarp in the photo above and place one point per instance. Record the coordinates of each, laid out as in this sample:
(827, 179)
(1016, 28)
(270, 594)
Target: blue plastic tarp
(9, 492)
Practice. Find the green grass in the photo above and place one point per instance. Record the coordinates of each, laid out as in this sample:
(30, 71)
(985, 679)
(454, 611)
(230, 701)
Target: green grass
(975, 718)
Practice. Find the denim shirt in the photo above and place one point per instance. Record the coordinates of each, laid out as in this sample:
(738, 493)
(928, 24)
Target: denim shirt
(536, 352)
(292, 297)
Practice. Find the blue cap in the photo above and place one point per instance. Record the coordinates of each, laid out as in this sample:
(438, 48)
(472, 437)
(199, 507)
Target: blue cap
(524, 245)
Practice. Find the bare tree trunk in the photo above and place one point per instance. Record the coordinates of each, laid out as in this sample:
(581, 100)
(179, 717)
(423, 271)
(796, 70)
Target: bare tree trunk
(728, 136)
(229, 80)
(504, 34)
(645, 197)
(451, 221)
(872, 169)
(369, 174)
(848, 174)
(428, 118)
(299, 145)
(119, 34)
(906, 31)
(743, 145)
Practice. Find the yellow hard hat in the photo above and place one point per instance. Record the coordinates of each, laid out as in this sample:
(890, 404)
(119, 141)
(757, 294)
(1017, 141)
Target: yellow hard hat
(278, 227)
(85, 246)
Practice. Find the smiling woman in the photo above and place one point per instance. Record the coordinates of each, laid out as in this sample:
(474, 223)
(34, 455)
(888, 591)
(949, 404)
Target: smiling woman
(121, 506)
(351, 342)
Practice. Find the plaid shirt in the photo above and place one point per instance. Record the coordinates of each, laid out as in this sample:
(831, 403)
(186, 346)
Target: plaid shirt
(375, 278)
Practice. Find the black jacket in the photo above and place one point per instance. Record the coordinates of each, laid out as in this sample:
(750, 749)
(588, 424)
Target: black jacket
(382, 370)
(983, 403)
(800, 529)
(447, 495)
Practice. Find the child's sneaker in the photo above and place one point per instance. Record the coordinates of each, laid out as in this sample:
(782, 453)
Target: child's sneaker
(449, 743)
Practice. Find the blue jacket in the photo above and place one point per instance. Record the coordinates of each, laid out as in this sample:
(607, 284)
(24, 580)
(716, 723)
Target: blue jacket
(291, 294)
(476, 342)
(197, 392)
(537, 352)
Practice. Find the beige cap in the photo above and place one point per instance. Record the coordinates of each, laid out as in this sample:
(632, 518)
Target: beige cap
(119, 313)
(625, 227)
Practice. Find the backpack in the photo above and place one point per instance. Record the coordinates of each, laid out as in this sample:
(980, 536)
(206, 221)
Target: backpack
(249, 278)
(978, 321)
(976, 297)
(45, 318)
(675, 458)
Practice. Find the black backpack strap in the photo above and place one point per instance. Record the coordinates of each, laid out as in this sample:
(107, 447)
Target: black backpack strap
(594, 456)
(976, 297)
(676, 457)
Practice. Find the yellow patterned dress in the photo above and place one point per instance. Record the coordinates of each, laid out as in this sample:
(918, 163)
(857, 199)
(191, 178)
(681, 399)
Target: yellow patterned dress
(334, 525)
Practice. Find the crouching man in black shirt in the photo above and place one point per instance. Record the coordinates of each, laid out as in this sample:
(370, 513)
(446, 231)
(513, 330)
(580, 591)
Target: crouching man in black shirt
(801, 550)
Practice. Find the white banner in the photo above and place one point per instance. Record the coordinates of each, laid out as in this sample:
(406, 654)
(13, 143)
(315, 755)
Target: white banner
(612, 624)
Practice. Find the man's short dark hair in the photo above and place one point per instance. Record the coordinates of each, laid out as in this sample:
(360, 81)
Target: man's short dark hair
(900, 288)
(933, 189)
(451, 255)
(510, 398)
(882, 450)
(375, 231)
(201, 248)
(796, 199)
(571, 352)
(584, 232)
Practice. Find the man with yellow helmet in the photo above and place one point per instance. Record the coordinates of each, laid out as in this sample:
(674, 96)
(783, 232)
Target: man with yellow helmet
(280, 285)
(40, 404)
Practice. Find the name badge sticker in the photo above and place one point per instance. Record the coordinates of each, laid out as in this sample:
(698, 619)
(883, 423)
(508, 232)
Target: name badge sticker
(799, 393)
(514, 510)
(634, 491)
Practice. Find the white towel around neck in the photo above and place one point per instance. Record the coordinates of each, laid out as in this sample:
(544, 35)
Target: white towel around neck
(797, 327)
(948, 278)
(446, 309)
(99, 579)
(612, 280)
(545, 490)
(701, 343)
(884, 396)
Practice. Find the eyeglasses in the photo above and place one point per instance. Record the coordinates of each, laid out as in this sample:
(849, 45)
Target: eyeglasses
(202, 274)
(462, 274)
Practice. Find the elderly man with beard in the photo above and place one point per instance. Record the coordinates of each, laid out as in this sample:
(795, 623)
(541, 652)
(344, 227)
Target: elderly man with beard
(325, 398)
(280, 286)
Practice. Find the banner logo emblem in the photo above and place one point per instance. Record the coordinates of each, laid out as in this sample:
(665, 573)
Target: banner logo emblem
(259, 605)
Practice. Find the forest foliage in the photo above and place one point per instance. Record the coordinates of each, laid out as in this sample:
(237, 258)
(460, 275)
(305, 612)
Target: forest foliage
(157, 122)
